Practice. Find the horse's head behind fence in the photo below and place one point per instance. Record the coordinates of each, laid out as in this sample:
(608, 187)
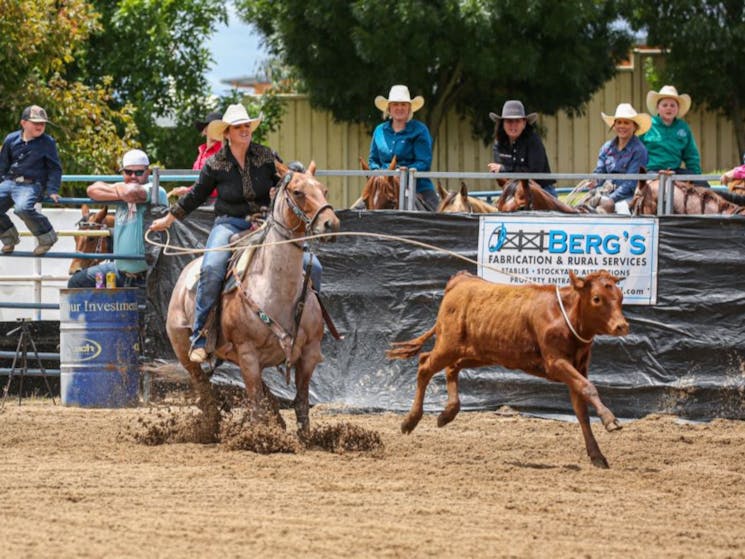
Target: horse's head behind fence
(101, 244)
(461, 202)
(381, 192)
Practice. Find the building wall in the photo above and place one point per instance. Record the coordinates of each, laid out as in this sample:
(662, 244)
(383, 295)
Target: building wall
(572, 143)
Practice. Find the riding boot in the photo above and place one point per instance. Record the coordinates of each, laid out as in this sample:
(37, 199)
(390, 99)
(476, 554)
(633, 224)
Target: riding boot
(10, 239)
(46, 240)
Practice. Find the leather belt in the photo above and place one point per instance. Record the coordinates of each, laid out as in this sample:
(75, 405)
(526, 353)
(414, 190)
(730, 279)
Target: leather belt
(23, 180)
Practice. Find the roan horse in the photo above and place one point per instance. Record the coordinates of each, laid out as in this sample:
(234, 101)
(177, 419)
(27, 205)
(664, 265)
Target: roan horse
(528, 195)
(543, 330)
(687, 199)
(101, 244)
(461, 202)
(263, 322)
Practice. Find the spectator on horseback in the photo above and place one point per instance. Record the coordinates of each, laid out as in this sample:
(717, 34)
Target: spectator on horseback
(129, 228)
(243, 173)
(625, 154)
(670, 142)
(517, 146)
(29, 169)
(206, 150)
(407, 139)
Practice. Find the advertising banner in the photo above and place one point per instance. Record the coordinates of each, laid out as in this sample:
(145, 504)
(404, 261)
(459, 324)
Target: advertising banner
(516, 250)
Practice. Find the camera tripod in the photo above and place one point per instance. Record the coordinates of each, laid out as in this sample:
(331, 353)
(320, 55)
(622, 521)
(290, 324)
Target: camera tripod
(24, 339)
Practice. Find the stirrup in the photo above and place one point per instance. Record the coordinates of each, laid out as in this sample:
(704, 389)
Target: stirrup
(198, 355)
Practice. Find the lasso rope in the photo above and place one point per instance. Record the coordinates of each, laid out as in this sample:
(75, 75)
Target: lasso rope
(171, 250)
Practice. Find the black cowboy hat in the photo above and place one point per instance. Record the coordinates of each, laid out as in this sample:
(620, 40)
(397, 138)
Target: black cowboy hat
(200, 124)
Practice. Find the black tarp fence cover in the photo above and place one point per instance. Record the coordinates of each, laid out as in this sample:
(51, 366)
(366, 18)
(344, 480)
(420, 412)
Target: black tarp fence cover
(684, 356)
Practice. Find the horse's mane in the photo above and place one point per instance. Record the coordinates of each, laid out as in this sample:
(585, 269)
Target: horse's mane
(546, 201)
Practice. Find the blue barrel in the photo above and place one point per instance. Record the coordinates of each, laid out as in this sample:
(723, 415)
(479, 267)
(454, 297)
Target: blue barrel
(99, 348)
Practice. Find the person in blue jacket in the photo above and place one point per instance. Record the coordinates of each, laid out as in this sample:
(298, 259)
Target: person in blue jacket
(29, 169)
(409, 140)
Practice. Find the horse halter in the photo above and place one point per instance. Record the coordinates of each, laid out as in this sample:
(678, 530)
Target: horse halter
(297, 210)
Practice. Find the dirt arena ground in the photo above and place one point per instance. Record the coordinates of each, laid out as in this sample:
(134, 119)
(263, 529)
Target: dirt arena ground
(77, 483)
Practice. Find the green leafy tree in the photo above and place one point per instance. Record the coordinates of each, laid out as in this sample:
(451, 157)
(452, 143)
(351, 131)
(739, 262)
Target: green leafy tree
(38, 39)
(470, 55)
(156, 56)
(704, 48)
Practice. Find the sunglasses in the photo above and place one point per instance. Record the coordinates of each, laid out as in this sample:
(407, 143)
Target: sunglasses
(240, 126)
(137, 173)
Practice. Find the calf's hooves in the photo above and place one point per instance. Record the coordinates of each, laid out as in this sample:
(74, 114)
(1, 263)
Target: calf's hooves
(408, 424)
(600, 462)
(613, 425)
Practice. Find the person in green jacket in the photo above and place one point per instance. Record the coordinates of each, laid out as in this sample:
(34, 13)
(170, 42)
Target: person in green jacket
(669, 142)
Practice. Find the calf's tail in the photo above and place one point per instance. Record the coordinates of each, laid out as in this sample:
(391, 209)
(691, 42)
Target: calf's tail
(404, 350)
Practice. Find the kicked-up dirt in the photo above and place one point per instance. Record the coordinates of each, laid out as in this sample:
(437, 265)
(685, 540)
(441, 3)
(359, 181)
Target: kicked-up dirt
(93, 483)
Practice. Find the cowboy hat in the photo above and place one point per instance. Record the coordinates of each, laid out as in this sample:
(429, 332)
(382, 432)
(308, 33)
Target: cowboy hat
(234, 115)
(669, 92)
(202, 123)
(513, 110)
(625, 110)
(399, 94)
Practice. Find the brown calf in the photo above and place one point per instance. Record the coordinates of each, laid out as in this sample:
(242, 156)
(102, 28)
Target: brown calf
(520, 327)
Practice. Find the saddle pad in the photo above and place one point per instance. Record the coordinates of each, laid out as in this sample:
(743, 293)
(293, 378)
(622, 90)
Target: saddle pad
(192, 278)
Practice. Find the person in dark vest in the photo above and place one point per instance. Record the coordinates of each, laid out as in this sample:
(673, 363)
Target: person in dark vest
(517, 146)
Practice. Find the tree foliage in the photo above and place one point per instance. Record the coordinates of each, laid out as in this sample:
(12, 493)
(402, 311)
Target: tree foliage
(703, 40)
(38, 39)
(156, 56)
(470, 55)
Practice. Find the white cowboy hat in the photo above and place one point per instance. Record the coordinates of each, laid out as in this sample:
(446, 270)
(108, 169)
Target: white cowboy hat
(234, 114)
(512, 110)
(669, 92)
(625, 110)
(399, 94)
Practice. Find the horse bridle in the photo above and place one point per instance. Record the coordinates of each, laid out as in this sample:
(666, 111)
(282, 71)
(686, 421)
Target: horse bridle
(84, 225)
(297, 210)
(527, 206)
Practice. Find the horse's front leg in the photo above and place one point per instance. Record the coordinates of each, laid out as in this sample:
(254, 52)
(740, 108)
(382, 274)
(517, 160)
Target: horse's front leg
(248, 361)
(309, 359)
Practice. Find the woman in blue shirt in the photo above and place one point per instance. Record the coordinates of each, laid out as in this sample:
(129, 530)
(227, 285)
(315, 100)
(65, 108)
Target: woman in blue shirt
(409, 140)
(624, 154)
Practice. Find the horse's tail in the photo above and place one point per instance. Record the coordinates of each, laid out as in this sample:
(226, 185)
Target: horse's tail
(404, 350)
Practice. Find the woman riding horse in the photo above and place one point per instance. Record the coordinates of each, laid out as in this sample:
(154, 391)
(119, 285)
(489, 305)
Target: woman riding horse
(243, 174)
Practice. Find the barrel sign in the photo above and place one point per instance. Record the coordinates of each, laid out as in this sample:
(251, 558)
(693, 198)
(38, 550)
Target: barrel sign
(99, 348)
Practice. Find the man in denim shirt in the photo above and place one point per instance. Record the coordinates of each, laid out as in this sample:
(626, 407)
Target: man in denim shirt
(29, 169)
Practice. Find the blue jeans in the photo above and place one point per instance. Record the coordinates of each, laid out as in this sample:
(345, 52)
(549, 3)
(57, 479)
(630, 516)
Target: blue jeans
(87, 277)
(213, 270)
(215, 266)
(23, 196)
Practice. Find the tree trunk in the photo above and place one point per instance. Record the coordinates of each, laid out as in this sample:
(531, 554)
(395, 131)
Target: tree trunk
(442, 102)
